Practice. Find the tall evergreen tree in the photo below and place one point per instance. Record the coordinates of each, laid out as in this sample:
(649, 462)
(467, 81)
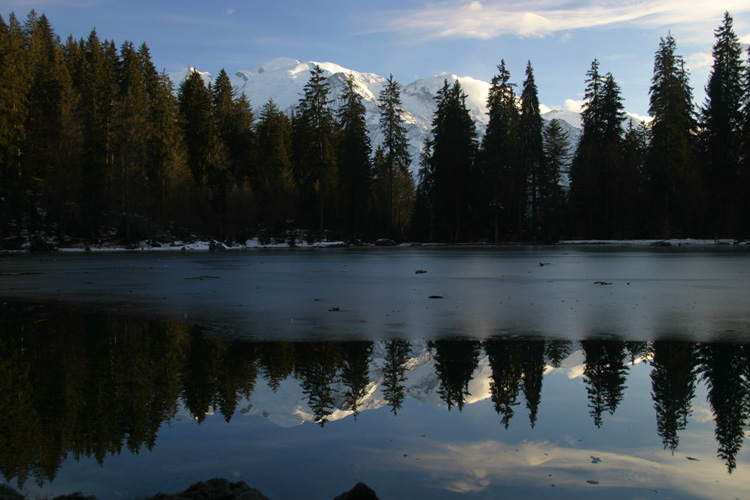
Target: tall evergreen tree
(14, 102)
(670, 157)
(43, 119)
(745, 168)
(234, 119)
(395, 160)
(501, 182)
(596, 164)
(131, 132)
(98, 95)
(315, 146)
(635, 210)
(274, 178)
(556, 163)
(450, 161)
(721, 120)
(65, 174)
(355, 181)
(205, 154)
(531, 153)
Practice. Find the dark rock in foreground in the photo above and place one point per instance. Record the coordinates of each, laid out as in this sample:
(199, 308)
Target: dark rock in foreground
(360, 492)
(215, 489)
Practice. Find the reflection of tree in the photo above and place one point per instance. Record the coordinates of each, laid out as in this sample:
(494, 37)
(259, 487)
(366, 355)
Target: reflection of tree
(355, 372)
(317, 364)
(396, 355)
(604, 375)
(277, 362)
(237, 373)
(200, 376)
(84, 385)
(19, 428)
(724, 367)
(673, 388)
(532, 365)
(557, 350)
(637, 350)
(505, 362)
(455, 362)
(89, 385)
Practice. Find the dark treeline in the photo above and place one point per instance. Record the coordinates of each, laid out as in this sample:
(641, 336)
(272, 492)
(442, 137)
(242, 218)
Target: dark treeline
(76, 385)
(96, 144)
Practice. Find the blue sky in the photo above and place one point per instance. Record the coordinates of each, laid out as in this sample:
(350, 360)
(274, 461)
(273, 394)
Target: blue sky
(414, 39)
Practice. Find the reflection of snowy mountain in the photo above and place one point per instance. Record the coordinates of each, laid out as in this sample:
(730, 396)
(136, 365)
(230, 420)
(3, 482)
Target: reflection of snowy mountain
(283, 80)
(288, 406)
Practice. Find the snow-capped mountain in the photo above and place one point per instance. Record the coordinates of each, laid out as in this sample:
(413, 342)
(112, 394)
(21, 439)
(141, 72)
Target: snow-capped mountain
(283, 81)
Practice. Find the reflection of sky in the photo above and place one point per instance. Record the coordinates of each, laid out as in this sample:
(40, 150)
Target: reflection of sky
(429, 452)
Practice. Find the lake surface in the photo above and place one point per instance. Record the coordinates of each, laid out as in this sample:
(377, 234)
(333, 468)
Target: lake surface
(553, 372)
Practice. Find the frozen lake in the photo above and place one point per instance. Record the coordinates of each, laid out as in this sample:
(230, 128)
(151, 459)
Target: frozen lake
(571, 292)
(550, 372)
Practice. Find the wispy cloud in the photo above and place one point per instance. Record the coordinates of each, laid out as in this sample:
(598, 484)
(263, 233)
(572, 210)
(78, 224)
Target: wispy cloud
(539, 18)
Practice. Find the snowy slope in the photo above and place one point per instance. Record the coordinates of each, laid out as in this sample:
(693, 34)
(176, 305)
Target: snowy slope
(283, 81)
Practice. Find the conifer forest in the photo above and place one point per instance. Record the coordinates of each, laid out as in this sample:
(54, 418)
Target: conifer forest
(96, 144)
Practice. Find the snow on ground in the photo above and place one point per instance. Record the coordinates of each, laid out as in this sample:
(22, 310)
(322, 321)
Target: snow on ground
(656, 243)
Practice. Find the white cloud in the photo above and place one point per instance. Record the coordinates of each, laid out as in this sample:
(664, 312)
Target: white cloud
(539, 18)
(574, 105)
(229, 12)
(699, 61)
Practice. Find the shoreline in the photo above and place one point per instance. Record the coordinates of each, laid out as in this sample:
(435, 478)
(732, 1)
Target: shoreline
(255, 243)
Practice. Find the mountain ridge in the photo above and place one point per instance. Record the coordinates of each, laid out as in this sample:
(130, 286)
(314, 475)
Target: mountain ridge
(283, 80)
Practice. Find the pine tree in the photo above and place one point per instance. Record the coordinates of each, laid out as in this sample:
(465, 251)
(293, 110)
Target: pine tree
(531, 154)
(721, 120)
(233, 118)
(314, 137)
(498, 156)
(636, 209)
(355, 182)
(396, 158)
(745, 172)
(65, 174)
(596, 164)
(615, 196)
(670, 157)
(450, 161)
(556, 163)
(130, 132)
(43, 119)
(98, 94)
(13, 114)
(274, 177)
(205, 155)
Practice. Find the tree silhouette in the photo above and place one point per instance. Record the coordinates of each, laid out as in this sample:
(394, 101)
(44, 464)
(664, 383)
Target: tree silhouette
(455, 362)
(507, 375)
(355, 372)
(722, 368)
(394, 369)
(604, 375)
(673, 388)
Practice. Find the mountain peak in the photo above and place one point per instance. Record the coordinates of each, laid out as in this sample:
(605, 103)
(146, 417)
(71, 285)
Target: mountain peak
(279, 64)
